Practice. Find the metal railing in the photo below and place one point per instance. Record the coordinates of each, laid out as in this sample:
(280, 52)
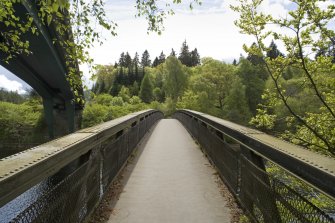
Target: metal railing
(243, 158)
(64, 180)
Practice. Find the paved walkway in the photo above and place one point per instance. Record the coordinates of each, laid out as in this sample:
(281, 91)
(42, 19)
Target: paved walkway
(171, 182)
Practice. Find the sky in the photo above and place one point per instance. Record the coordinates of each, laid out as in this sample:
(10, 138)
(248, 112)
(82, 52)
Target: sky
(209, 28)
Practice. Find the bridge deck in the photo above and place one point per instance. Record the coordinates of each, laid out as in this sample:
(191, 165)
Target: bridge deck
(170, 182)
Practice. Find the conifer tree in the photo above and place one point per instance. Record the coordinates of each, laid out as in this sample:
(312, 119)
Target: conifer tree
(195, 57)
(155, 63)
(254, 59)
(185, 56)
(173, 53)
(128, 64)
(161, 58)
(145, 62)
(273, 52)
(122, 60)
(136, 62)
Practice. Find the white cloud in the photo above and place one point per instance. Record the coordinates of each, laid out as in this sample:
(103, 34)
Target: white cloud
(11, 85)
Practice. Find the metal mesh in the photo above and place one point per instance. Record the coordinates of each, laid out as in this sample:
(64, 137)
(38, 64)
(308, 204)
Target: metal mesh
(263, 197)
(77, 194)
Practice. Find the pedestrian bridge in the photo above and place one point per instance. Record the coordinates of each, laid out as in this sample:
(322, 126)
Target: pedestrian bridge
(171, 180)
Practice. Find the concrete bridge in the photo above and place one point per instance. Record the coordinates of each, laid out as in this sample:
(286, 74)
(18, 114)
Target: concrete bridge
(171, 180)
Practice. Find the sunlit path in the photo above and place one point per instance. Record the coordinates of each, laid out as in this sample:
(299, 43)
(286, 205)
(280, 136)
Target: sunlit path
(171, 182)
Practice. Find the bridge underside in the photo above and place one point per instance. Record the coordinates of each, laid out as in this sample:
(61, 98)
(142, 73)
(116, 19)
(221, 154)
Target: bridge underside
(44, 69)
(171, 181)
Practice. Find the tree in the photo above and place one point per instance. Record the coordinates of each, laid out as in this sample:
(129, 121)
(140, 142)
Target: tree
(155, 63)
(252, 79)
(145, 61)
(70, 18)
(235, 107)
(127, 60)
(104, 78)
(273, 51)
(155, 15)
(195, 58)
(310, 26)
(124, 94)
(234, 62)
(255, 59)
(161, 58)
(185, 56)
(13, 96)
(122, 60)
(146, 93)
(136, 62)
(175, 78)
(173, 53)
(159, 94)
(215, 78)
(134, 89)
(130, 75)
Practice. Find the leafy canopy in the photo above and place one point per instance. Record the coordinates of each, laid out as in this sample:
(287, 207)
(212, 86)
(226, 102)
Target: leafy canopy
(304, 32)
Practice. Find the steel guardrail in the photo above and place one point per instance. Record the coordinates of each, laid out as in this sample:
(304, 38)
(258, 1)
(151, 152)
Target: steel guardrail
(114, 139)
(242, 165)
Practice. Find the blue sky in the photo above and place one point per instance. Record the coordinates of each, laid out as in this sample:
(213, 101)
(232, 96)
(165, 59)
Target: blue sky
(209, 27)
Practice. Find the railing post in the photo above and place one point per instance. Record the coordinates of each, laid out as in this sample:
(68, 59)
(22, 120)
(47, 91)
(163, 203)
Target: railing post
(258, 191)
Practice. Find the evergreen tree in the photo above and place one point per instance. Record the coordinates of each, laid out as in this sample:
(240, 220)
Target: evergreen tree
(115, 89)
(254, 59)
(122, 60)
(145, 61)
(101, 88)
(155, 63)
(146, 93)
(136, 62)
(14, 96)
(161, 58)
(195, 57)
(185, 56)
(128, 63)
(273, 52)
(95, 88)
(234, 62)
(173, 53)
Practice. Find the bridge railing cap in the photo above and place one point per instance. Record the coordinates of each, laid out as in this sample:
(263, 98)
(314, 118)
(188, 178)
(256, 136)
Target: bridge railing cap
(313, 168)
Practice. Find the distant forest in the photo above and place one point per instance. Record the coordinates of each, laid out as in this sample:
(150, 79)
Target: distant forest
(130, 71)
(242, 92)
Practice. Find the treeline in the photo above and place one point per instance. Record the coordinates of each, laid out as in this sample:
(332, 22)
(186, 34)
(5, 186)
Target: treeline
(22, 122)
(238, 92)
(129, 72)
(11, 96)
